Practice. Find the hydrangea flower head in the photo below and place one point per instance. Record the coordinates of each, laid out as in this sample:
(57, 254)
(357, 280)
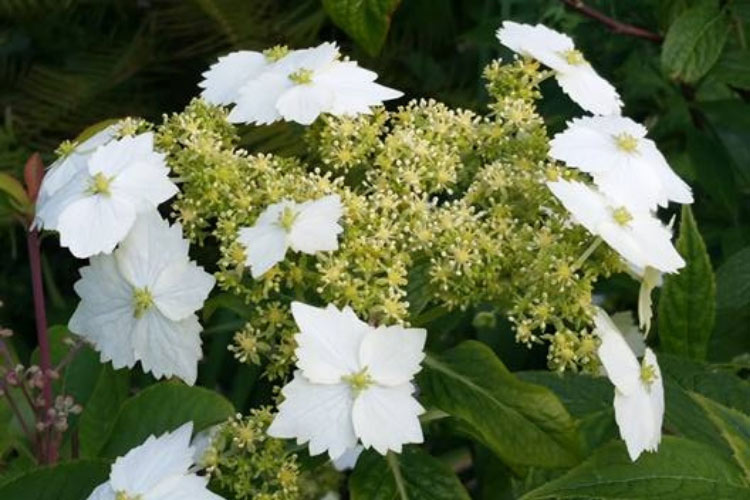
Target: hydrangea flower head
(636, 234)
(307, 227)
(97, 206)
(639, 391)
(158, 469)
(354, 383)
(305, 83)
(625, 165)
(138, 303)
(573, 73)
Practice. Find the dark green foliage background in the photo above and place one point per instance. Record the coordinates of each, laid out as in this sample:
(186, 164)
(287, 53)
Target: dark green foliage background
(66, 64)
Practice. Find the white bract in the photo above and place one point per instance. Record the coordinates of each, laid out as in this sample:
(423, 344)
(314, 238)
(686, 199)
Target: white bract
(354, 383)
(96, 207)
(639, 391)
(625, 323)
(307, 227)
(158, 469)
(223, 80)
(636, 234)
(138, 303)
(625, 165)
(305, 83)
(67, 166)
(573, 73)
(650, 278)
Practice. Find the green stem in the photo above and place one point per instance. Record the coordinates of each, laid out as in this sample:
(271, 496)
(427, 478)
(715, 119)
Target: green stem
(591, 249)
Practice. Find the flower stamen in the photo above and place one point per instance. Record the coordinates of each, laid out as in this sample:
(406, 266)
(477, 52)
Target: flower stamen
(648, 373)
(627, 143)
(142, 301)
(99, 184)
(574, 57)
(287, 218)
(622, 216)
(276, 53)
(302, 76)
(358, 381)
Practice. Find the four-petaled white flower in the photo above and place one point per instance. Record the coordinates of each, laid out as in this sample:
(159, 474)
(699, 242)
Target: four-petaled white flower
(354, 383)
(574, 74)
(137, 304)
(158, 469)
(67, 166)
(223, 80)
(97, 206)
(307, 227)
(636, 234)
(305, 83)
(639, 391)
(625, 165)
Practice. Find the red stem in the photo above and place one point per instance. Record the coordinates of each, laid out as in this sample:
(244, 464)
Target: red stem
(613, 24)
(35, 260)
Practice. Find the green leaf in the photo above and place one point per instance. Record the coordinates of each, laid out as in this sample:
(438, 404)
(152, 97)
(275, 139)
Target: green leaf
(587, 398)
(734, 68)
(411, 475)
(680, 470)
(14, 189)
(687, 307)
(100, 410)
(733, 281)
(366, 21)
(694, 42)
(161, 408)
(522, 423)
(66, 481)
(734, 427)
(730, 121)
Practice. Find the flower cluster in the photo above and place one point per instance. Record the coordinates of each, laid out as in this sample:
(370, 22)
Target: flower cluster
(140, 289)
(632, 178)
(246, 463)
(294, 85)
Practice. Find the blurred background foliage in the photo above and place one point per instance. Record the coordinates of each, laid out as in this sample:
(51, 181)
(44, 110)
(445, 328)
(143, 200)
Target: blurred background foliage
(65, 64)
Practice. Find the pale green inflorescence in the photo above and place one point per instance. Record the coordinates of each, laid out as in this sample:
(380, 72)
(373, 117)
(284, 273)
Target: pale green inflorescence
(445, 210)
(245, 463)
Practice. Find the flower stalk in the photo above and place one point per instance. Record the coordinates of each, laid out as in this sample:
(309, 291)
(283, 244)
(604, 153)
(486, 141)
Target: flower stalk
(40, 317)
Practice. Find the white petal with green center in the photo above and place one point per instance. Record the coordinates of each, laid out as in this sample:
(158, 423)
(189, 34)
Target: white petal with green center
(393, 354)
(386, 418)
(329, 341)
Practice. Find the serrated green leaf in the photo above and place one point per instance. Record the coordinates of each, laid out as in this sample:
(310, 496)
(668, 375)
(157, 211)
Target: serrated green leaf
(694, 42)
(734, 427)
(161, 408)
(680, 470)
(587, 398)
(522, 423)
(366, 21)
(66, 481)
(411, 475)
(687, 307)
(733, 281)
(100, 410)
